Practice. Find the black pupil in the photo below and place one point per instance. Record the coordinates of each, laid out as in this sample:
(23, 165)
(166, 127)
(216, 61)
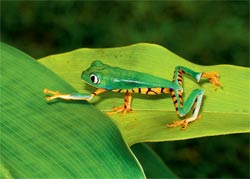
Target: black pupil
(93, 78)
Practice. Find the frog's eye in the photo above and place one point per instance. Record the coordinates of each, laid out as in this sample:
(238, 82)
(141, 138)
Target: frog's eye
(94, 79)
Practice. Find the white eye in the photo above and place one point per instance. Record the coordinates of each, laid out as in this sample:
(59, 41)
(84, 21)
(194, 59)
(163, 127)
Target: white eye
(94, 79)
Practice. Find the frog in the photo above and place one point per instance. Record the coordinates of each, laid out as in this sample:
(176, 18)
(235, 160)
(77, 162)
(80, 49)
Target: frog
(107, 78)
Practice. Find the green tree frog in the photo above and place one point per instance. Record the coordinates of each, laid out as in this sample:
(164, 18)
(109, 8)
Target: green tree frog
(107, 78)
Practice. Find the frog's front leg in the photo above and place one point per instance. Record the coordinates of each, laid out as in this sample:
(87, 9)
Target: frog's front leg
(71, 96)
(126, 107)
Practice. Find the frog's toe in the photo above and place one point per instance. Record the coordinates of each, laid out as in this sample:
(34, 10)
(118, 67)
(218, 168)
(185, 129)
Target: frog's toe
(182, 123)
(122, 109)
(213, 78)
(215, 82)
(47, 91)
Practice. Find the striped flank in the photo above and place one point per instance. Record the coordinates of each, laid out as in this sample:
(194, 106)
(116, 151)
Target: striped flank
(148, 91)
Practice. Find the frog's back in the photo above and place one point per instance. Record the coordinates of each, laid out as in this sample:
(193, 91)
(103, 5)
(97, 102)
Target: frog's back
(138, 82)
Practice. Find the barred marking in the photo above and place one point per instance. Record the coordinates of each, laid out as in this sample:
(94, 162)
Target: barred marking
(175, 102)
(156, 90)
(161, 90)
(179, 77)
(180, 97)
(180, 82)
(148, 91)
(151, 91)
(174, 98)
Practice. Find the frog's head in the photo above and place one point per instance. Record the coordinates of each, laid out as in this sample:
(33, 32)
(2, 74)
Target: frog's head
(94, 75)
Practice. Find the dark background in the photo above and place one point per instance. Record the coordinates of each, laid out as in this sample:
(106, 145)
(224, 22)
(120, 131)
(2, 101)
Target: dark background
(207, 33)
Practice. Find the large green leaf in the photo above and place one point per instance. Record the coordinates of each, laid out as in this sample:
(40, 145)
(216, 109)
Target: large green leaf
(223, 111)
(54, 140)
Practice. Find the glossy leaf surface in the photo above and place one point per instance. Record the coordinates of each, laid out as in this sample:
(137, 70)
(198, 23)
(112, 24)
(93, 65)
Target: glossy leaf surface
(57, 139)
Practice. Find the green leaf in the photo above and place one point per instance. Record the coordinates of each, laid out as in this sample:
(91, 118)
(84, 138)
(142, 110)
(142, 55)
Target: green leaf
(223, 111)
(152, 165)
(54, 140)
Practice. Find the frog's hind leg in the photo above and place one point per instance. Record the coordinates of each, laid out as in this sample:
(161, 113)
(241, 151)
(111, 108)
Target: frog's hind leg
(180, 70)
(177, 78)
(126, 107)
(213, 77)
(194, 99)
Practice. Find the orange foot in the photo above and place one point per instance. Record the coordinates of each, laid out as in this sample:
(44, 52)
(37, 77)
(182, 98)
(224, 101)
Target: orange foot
(213, 77)
(122, 109)
(183, 123)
